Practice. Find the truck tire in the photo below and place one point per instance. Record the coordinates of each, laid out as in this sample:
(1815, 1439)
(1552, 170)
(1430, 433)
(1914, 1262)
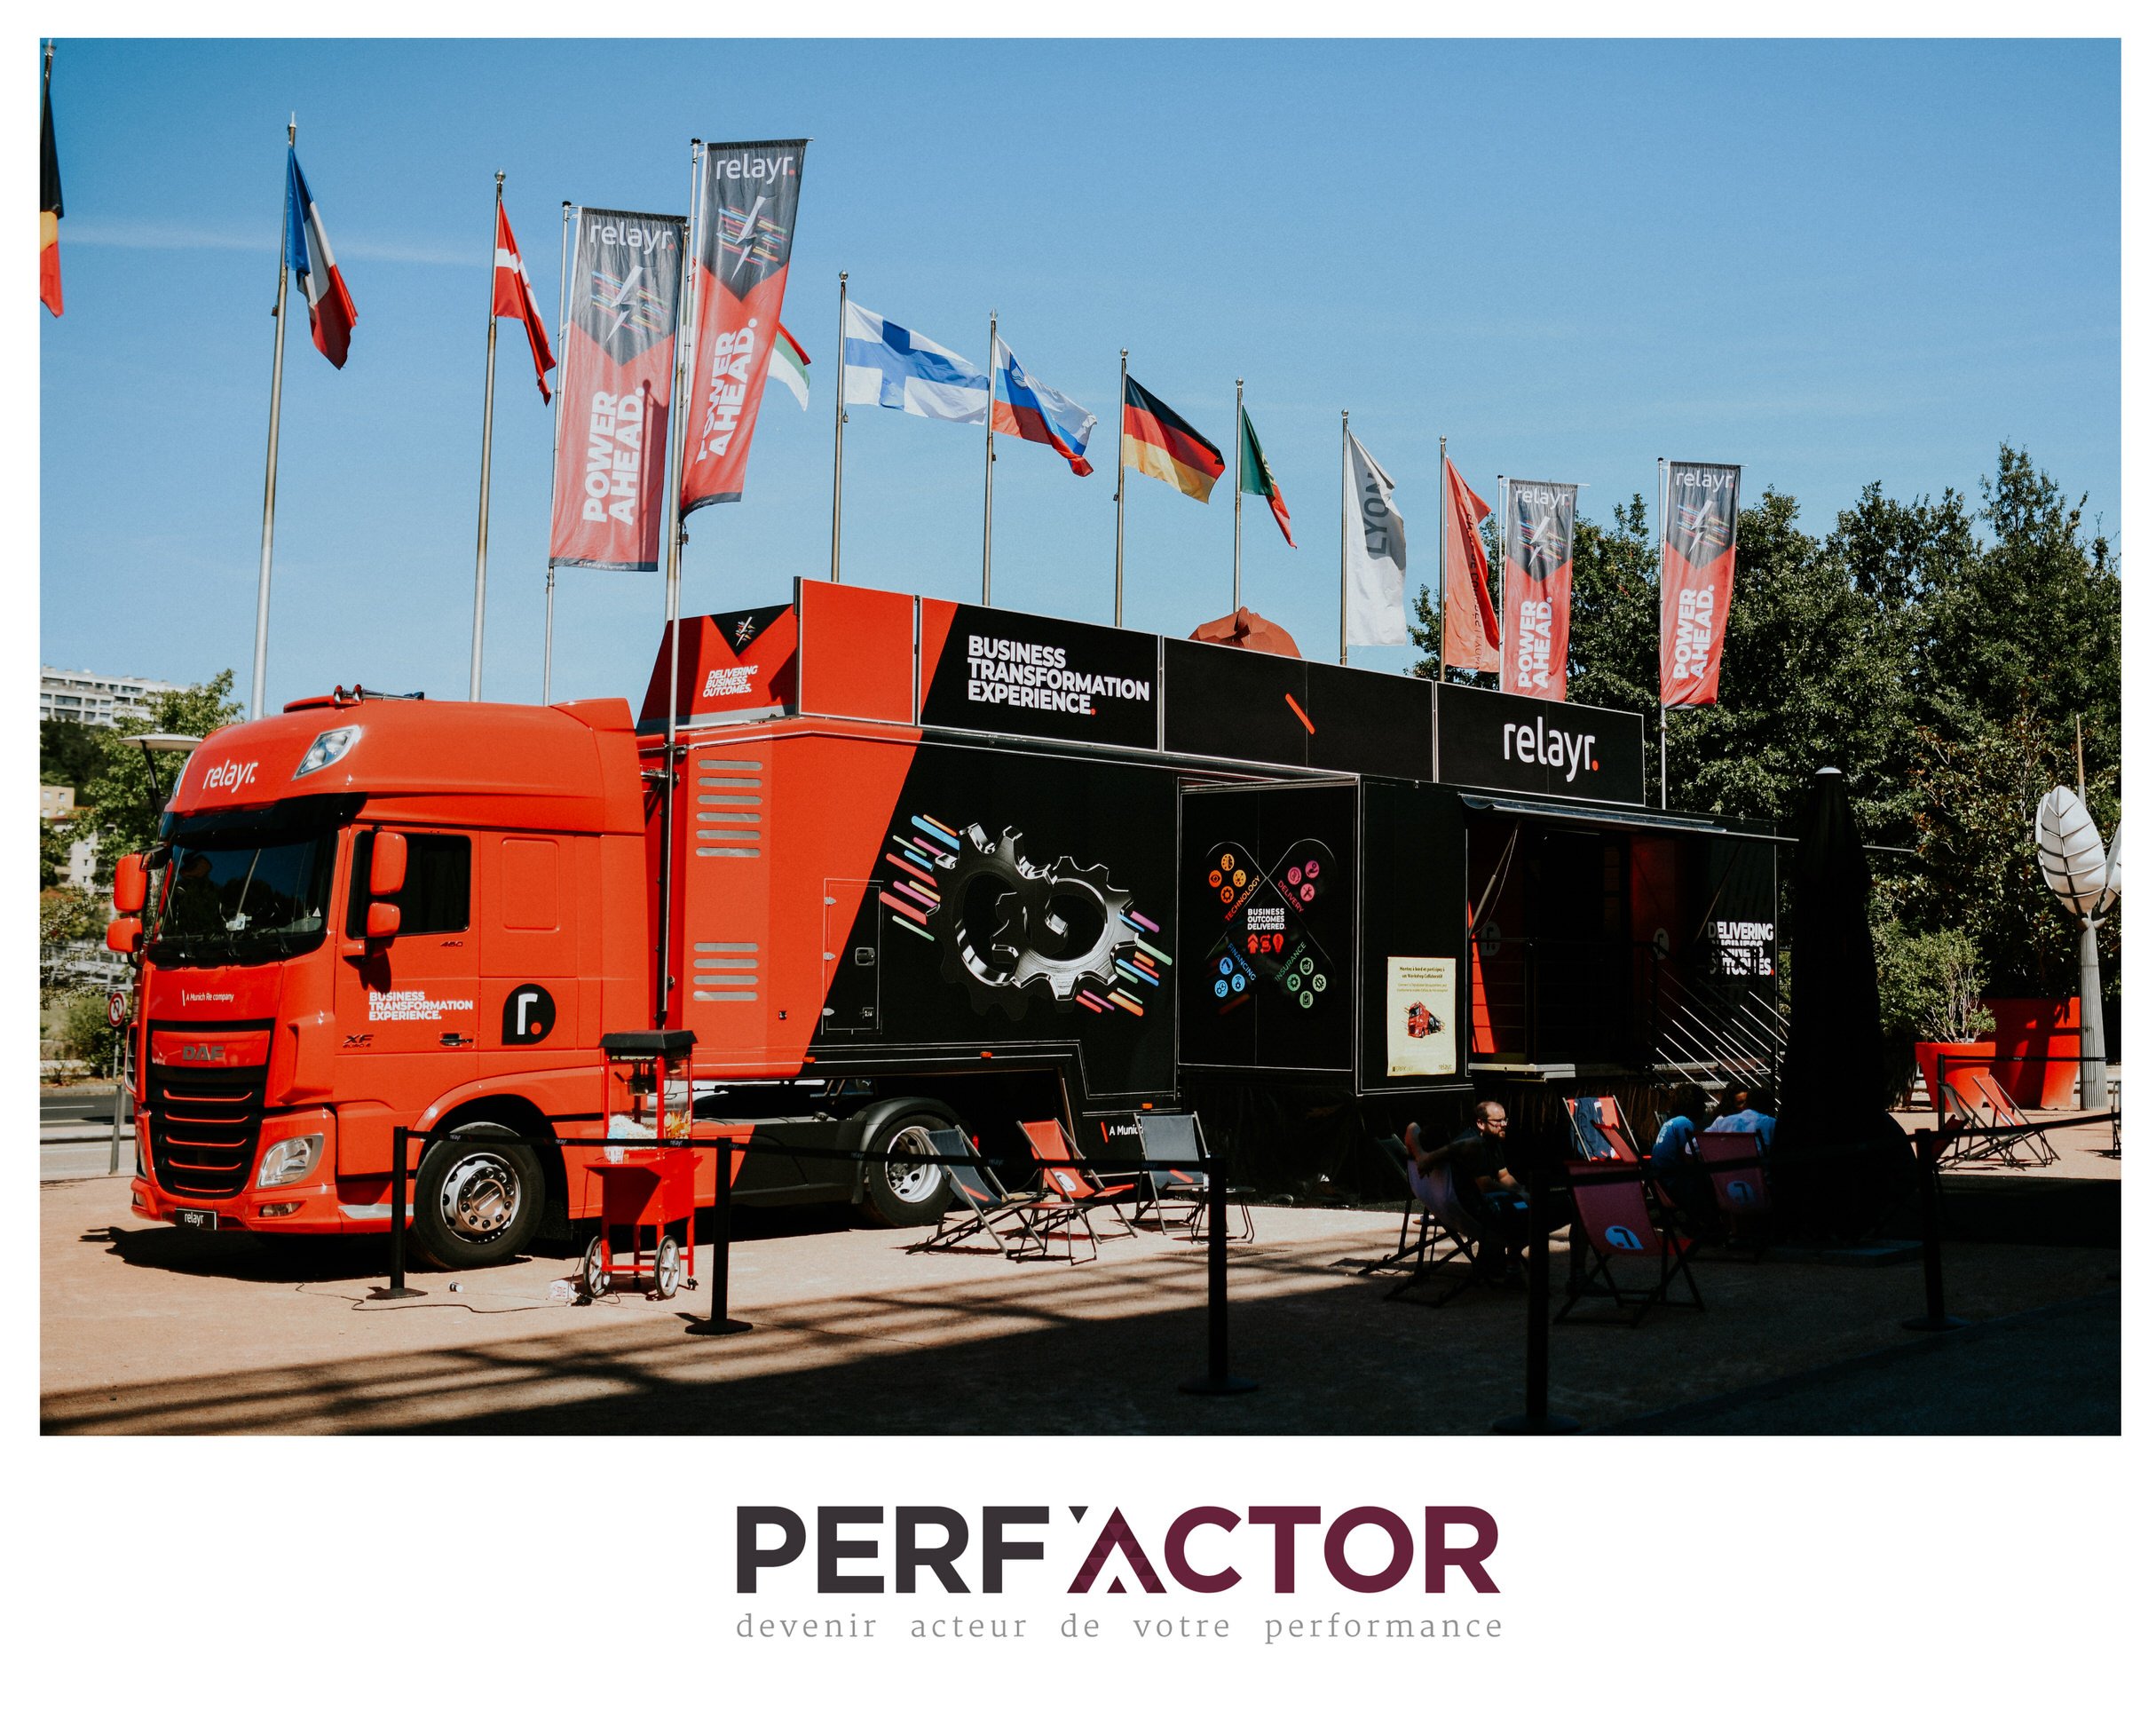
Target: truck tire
(478, 1199)
(901, 1195)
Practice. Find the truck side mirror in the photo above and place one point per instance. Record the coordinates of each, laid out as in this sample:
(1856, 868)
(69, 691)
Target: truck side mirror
(124, 934)
(385, 869)
(382, 919)
(131, 884)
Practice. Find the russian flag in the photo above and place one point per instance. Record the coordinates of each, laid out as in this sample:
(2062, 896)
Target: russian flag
(330, 312)
(1027, 409)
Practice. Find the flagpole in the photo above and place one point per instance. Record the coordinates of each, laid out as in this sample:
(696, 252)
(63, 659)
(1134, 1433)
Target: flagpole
(1343, 536)
(837, 431)
(561, 315)
(988, 482)
(1444, 532)
(1123, 396)
(487, 450)
(269, 482)
(1662, 649)
(1238, 594)
(1505, 580)
(684, 339)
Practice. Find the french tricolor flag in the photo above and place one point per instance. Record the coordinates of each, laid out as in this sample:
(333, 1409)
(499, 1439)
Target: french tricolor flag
(330, 312)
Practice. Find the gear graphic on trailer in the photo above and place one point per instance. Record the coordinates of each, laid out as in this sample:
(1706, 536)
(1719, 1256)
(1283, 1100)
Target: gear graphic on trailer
(1016, 945)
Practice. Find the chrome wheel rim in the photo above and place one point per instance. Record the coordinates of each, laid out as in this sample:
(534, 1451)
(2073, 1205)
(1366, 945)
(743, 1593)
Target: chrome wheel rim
(909, 1183)
(480, 1196)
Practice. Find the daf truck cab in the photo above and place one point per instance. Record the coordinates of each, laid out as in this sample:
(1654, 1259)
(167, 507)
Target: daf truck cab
(363, 914)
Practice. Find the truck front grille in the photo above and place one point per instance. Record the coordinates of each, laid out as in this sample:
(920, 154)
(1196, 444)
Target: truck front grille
(204, 1126)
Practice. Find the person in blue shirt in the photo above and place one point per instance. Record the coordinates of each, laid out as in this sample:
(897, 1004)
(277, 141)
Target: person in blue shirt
(1675, 1158)
(1738, 1115)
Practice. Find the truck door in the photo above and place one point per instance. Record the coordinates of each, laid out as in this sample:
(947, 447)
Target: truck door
(529, 989)
(408, 1008)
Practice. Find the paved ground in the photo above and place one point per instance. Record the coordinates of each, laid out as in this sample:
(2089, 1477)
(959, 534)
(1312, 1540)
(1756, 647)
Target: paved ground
(147, 1328)
(2084, 1153)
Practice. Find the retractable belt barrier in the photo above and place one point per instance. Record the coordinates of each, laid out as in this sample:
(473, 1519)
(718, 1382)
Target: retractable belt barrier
(1536, 1416)
(1215, 1380)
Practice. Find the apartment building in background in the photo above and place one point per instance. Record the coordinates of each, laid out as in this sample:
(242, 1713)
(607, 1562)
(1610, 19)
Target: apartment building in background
(91, 697)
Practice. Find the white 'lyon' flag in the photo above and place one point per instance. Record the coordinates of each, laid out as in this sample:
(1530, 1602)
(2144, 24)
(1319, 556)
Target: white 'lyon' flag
(1374, 548)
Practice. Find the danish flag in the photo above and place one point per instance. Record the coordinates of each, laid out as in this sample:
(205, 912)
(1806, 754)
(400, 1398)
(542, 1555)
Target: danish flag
(513, 298)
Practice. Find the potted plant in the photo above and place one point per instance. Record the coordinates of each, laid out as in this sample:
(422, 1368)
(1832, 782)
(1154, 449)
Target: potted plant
(1930, 1001)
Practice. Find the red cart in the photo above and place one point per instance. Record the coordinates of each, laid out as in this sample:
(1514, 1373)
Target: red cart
(645, 1189)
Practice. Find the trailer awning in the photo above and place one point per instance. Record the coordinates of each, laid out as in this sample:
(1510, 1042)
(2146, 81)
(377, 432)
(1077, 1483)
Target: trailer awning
(1634, 820)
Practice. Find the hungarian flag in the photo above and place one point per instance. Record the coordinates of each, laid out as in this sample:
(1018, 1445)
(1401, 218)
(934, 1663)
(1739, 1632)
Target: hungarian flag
(1471, 621)
(330, 312)
(1159, 441)
(789, 365)
(1253, 475)
(513, 297)
(48, 206)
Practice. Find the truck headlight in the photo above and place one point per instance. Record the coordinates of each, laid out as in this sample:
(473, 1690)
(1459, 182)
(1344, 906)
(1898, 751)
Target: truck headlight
(291, 1159)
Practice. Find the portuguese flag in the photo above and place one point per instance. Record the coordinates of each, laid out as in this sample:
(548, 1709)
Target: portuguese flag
(1159, 441)
(1256, 478)
(49, 209)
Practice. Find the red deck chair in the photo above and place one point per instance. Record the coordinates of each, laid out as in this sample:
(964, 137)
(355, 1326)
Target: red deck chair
(2006, 1112)
(1732, 1161)
(1613, 1224)
(1019, 1224)
(1445, 1230)
(1064, 1176)
(1599, 1133)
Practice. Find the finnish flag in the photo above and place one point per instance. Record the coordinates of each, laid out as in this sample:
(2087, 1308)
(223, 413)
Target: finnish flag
(888, 365)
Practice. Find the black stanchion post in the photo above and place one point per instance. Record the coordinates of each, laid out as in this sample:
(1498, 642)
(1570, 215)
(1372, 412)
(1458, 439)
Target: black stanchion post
(1935, 1316)
(400, 1140)
(1538, 1417)
(721, 1247)
(1218, 1381)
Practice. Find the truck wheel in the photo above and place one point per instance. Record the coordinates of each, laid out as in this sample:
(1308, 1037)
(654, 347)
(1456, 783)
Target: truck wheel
(478, 1198)
(902, 1194)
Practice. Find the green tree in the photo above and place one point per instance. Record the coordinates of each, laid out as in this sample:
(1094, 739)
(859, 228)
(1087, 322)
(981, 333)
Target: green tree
(125, 810)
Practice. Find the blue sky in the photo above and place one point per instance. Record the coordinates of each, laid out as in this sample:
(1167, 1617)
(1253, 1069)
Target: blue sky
(1834, 263)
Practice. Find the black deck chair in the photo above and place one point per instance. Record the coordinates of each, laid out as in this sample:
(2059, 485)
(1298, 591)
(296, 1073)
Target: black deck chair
(1021, 1224)
(1444, 1232)
(1174, 1145)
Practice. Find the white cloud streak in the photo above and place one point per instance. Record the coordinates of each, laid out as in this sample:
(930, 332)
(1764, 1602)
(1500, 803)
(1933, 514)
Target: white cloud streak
(157, 236)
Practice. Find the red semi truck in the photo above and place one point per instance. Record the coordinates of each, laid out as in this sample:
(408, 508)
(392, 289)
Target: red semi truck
(928, 862)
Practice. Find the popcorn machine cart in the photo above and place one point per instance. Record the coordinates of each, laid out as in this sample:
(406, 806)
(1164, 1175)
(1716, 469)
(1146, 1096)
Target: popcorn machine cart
(646, 1186)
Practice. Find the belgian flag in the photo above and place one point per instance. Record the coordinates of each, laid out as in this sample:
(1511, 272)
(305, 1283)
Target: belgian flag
(49, 204)
(1159, 441)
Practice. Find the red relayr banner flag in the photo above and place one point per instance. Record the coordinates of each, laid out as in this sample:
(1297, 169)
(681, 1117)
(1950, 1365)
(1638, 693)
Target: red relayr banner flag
(1537, 588)
(1471, 621)
(1699, 562)
(746, 201)
(617, 381)
(513, 298)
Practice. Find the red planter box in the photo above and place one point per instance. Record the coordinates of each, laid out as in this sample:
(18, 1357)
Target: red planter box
(2036, 1028)
(1956, 1054)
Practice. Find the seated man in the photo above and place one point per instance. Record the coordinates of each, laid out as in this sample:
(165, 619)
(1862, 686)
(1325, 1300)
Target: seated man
(1480, 1180)
(1739, 1116)
(1675, 1158)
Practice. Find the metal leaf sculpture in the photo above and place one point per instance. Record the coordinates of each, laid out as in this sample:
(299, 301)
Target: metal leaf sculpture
(2070, 852)
(2112, 867)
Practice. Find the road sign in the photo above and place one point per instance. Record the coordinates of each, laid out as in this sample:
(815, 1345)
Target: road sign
(115, 1008)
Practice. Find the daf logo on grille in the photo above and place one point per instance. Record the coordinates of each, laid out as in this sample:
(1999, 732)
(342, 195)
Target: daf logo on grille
(201, 1051)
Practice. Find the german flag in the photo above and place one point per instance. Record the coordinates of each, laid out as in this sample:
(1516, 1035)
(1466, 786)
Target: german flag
(49, 210)
(1159, 441)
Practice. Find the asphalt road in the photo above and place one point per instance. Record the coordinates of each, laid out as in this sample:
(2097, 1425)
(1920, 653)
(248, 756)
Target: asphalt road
(86, 1104)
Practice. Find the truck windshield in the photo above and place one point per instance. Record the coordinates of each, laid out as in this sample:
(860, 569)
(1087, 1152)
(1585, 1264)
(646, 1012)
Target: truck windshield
(243, 887)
